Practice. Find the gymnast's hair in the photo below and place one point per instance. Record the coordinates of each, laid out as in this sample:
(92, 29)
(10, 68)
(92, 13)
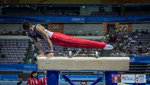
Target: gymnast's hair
(26, 25)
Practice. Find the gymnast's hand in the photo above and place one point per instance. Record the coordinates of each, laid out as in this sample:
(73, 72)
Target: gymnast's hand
(41, 54)
(50, 54)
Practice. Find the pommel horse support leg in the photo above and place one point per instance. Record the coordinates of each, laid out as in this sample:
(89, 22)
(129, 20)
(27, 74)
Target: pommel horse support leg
(52, 65)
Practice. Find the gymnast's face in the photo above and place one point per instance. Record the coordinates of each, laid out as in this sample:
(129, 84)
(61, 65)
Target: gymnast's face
(30, 30)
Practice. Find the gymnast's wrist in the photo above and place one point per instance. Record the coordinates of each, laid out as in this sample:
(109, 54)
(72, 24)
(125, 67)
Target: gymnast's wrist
(42, 53)
(51, 51)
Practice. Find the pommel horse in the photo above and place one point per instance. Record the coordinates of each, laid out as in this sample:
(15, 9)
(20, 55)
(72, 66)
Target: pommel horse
(55, 64)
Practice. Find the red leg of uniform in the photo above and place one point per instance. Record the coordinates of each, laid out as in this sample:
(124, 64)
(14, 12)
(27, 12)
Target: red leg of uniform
(67, 41)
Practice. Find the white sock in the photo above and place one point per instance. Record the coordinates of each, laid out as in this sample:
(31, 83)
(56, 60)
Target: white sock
(108, 47)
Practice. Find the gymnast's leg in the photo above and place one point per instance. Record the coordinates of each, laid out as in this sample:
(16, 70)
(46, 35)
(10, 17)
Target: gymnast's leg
(67, 41)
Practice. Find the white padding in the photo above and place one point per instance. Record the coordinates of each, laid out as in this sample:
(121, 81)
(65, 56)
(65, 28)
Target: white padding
(84, 63)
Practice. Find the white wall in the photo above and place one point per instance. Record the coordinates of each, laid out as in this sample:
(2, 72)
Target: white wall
(84, 28)
(140, 27)
(78, 28)
(68, 28)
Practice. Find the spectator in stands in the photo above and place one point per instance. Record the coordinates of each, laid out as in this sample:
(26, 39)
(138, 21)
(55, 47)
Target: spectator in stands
(35, 57)
(2, 56)
(148, 81)
(5, 32)
(83, 83)
(43, 80)
(136, 31)
(0, 47)
(103, 39)
(64, 54)
(140, 47)
(112, 38)
(17, 32)
(112, 53)
(19, 60)
(65, 49)
(73, 51)
(29, 60)
(20, 79)
(33, 80)
(23, 33)
(10, 33)
(146, 32)
(143, 31)
(107, 36)
(38, 31)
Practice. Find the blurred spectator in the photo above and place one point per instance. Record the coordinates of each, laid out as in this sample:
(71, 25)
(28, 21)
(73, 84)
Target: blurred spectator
(10, 33)
(83, 83)
(73, 51)
(65, 49)
(142, 31)
(136, 31)
(112, 38)
(107, 36)
(20, 79)
(23, 33)
(19, 61)
(17, 32)
(148, 81)
(112, 53)
(43, 80)
(35, 57)
(29, 60)
(0, 50)
(146, 32)
(2, 55)
(33, 80)
(5, 32)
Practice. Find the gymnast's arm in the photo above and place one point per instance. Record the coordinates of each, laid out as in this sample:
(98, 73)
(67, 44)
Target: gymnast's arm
(37, 44)
(40, 29)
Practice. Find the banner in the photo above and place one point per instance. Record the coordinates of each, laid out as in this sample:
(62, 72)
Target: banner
(140, 78)
(125, 28)
(116, 78)
(56, 27)
(140, 59)
(128, 78)
(18, 67)
(50, 19)
(8, 77)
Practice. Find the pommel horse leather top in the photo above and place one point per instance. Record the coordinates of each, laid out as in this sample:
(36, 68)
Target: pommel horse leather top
(84, 63)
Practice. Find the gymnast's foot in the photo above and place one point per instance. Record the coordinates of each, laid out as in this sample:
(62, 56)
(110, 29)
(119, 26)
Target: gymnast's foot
(108, 47)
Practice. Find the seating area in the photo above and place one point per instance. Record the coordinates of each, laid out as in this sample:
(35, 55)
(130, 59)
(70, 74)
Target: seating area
(115, 14)
(38, 13)
(132, 44)
(13, 50)
(104, 14)
(74, 13)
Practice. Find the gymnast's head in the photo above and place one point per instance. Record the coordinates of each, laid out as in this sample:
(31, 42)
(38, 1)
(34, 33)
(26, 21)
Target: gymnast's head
(83, 83)
(28, 27)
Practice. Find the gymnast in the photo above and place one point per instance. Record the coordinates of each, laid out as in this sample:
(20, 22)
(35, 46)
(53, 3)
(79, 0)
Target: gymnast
(38, 31)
